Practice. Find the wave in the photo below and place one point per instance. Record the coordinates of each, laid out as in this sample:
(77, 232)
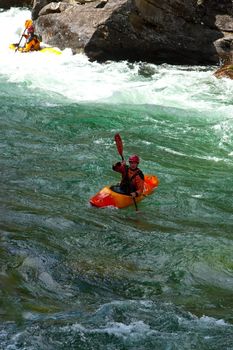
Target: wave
(76, 79)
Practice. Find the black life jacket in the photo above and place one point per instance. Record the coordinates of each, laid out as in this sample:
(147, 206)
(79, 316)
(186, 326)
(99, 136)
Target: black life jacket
(35, 37)
(126, 183)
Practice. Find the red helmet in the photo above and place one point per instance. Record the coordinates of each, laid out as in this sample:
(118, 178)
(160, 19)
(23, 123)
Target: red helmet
(134, 158)
(30, 29)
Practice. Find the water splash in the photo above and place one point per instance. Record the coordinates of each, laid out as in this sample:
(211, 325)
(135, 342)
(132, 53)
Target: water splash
(75, 78)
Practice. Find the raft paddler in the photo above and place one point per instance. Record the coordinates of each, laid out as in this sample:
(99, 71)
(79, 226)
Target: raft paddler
(132, 182)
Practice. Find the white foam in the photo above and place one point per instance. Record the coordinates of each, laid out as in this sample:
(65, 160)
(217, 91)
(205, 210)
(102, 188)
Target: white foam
(210, 320)
(118, 329)
(75, 78)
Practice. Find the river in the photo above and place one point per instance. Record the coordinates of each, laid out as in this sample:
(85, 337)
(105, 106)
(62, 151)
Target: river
(76, 277)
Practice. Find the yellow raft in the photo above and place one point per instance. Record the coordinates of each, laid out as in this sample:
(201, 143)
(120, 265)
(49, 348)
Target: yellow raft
(110, 195)
(52, 50)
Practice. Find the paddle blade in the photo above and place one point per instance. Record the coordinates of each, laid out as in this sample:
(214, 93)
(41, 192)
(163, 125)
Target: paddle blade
(135, 204)
(119, 145)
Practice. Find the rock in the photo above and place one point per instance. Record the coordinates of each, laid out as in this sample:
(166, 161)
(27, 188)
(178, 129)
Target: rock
(225, 72)
(194, 32)
(146, 70)
(82, 28)
(38, 5)
(224, 47)
(172, 31)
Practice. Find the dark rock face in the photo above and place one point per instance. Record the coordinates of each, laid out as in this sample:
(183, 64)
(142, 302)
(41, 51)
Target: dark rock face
(188, 29)
(6, 4)
(38, 5)
(172, 31)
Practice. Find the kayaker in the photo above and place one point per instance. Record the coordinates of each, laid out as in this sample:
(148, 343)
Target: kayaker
(132, 182)
(32, 40)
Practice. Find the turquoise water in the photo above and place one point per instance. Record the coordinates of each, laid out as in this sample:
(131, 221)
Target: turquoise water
(76, 277)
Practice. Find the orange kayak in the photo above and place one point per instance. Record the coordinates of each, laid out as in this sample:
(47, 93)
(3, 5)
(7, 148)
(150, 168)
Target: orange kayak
(111, 196)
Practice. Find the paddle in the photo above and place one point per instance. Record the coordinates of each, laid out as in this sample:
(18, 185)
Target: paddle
(20, 39)
(28, 23)
(119, 145)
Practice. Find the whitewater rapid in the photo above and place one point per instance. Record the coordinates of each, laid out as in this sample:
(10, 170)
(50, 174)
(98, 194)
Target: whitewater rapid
(75, 78)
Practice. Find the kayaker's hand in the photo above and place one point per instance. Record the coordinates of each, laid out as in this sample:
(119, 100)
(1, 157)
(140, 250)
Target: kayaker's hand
(133, 194)
(123, 163)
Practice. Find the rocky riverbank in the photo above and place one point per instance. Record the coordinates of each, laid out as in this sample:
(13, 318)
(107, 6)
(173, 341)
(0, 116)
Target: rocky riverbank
(195, 32)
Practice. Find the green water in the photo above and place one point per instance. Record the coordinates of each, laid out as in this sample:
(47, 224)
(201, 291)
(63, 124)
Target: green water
(76, 277)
